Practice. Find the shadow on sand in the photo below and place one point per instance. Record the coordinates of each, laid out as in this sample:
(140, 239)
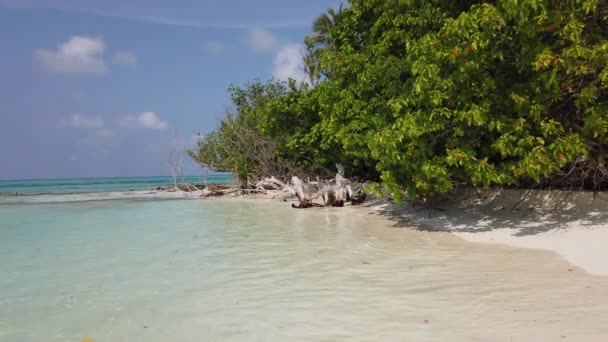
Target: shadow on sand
(526, 212)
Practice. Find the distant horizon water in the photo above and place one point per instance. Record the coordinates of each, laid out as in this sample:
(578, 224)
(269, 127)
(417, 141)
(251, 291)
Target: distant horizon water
(106, 177)
(100, 184)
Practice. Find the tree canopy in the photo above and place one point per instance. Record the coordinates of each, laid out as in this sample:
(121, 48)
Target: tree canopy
(424, 95)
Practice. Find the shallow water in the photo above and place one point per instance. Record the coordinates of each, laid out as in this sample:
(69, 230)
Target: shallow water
(88, 185)
(238, 270)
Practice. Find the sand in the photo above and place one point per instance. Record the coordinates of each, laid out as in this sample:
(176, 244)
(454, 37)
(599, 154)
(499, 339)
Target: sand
(571, 224)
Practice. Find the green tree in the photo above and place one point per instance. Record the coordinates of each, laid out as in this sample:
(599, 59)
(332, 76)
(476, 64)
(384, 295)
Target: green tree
(322, 28)
(426, 95)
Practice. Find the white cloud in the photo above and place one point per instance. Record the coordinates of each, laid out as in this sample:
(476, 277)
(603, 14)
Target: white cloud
(261, 40)
(213, 48)
(80, 121)
(289, 63)
(125, 58)
(151, 120)
(79, 55)
(148, 120)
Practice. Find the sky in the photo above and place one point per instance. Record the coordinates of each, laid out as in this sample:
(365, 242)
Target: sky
(109, 88)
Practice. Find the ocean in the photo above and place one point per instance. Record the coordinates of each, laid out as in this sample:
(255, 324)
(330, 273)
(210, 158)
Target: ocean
(234, 269)
(87, 185)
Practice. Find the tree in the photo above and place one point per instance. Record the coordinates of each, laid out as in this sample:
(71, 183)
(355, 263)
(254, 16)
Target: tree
(260, 136)
(427, 95)
(320, 40)
(322, 27)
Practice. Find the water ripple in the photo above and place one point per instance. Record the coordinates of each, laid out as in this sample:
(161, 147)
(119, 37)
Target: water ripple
(260, 271)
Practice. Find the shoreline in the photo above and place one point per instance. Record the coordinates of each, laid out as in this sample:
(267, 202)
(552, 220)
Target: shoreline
(574, 225)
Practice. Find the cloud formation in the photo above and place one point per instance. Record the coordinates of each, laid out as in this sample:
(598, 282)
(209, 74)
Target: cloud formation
(147, 120)
(214, 48)
(124, 58)
(78, 55)
(81, 121)
(261, 40)
(289, 64)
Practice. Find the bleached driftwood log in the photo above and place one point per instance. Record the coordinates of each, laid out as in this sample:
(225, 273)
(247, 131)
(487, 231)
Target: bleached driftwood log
(216, 190)
(357, 195)
(328, 195)
(336, 192)
(271, 184)
(303, 193)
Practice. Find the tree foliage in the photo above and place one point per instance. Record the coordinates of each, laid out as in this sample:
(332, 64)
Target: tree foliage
(238, 145)
(429, 94)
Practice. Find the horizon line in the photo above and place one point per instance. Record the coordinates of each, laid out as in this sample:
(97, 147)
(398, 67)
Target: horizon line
(64, 178)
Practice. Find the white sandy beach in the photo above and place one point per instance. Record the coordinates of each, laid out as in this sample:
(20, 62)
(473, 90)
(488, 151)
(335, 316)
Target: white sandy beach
(572, 224)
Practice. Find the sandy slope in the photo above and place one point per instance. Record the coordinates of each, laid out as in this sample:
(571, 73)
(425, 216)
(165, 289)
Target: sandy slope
(573, 224)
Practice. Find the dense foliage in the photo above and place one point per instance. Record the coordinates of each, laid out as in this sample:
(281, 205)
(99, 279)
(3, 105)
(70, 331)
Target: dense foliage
(428, 94)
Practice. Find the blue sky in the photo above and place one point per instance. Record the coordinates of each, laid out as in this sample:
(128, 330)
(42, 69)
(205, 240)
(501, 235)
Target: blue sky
(103, 88)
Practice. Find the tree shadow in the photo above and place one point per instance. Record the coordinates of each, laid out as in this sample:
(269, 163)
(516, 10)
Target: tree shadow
(526, 212)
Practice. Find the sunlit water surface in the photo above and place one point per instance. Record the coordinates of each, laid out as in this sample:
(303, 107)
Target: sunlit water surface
(238, 270)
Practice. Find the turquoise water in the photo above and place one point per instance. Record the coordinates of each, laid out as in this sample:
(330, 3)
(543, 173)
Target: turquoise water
(255, 270)
(88, 258)
(82, 185)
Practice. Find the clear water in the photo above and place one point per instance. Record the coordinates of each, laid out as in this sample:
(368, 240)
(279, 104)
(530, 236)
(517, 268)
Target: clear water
(239, 270)
(85, 185)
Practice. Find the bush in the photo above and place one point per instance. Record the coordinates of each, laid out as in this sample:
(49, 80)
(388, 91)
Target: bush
(428, 94)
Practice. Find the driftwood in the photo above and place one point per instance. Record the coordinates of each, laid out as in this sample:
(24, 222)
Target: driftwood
(271, 184)
(335, 193)
(357, 194)
(184, 187)
(302, 192)
(217, 192)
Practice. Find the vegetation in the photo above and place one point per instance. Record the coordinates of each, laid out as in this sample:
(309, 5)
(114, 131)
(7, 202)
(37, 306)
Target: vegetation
(424, 95)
